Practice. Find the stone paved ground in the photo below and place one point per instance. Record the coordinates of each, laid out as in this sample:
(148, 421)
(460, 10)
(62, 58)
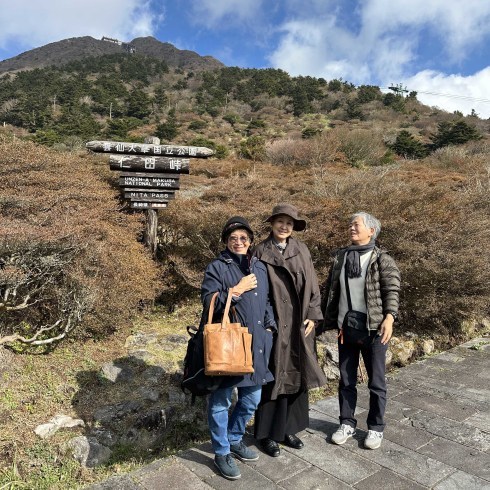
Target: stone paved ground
(437, 436)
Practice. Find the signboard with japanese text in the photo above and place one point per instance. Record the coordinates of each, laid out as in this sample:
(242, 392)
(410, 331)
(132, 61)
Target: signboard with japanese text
(147, 205)
(149, 149)
(128, 163)
(149, 174)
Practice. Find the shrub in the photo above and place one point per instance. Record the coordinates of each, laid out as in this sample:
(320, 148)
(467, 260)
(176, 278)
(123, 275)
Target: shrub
(318, 152)
(220, 150)
(307, 133)
(68, 256)
(197, 125)
(231, 118)
(253, 148)
(362, 147)
(433, 222)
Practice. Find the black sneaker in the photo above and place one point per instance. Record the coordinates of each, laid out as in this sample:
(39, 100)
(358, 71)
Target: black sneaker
(244, 453)
(227, 466)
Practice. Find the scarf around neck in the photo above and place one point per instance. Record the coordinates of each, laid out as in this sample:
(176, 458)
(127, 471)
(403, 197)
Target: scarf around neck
(353, 258)
(242, 260)
(280, 246)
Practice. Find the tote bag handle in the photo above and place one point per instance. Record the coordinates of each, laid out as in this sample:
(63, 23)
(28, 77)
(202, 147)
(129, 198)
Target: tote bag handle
(226, 319)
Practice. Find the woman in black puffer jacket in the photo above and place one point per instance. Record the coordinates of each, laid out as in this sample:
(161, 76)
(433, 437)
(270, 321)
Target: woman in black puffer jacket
(365, 279)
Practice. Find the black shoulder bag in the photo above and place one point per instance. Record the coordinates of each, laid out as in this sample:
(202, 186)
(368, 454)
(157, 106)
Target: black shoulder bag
(354, 327)
(194, 380)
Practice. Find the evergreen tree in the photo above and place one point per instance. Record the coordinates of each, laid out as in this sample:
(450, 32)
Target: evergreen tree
(367, 93)
(168, 130)
(454, 133)
(139, 104)
(408, 147)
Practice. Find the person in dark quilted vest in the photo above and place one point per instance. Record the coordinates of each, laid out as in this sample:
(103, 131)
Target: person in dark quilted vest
(373, 281)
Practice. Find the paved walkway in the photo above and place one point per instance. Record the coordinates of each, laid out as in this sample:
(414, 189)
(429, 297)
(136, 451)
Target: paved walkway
(437, 436)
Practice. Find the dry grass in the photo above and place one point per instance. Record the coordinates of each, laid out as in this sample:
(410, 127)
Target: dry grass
(435, 216)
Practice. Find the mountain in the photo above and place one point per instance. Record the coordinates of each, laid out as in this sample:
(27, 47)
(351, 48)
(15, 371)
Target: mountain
(76, 48)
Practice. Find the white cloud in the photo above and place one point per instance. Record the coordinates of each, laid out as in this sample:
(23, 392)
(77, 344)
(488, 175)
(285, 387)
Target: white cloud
(453, 92)
(382, 43)
(213, 13)
(458, 24)
(30, 23)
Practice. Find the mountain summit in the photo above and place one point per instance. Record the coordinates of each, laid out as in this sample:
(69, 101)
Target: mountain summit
(77, 48)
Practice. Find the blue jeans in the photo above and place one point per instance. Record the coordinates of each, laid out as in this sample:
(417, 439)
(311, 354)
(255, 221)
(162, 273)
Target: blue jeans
(374, 355)
(226, 430)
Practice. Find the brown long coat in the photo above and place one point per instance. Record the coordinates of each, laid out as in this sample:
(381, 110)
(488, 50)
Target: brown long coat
(296, 297)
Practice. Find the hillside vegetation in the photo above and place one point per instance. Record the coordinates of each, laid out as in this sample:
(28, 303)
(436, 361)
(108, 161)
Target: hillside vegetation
(70, 252)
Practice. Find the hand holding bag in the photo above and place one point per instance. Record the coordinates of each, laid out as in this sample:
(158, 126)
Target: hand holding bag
(227, 346)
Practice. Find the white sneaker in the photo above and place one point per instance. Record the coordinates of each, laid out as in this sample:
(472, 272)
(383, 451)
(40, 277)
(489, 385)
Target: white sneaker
(342, 434)
(373, 439)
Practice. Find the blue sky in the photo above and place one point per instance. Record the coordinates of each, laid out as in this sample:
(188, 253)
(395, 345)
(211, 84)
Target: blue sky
(439, 48)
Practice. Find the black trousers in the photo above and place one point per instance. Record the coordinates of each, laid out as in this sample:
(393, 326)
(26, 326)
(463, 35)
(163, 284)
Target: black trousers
(374, 355)
(288, 414)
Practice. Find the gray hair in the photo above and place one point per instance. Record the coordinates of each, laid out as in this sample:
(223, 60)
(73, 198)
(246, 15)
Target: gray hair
(369, 220)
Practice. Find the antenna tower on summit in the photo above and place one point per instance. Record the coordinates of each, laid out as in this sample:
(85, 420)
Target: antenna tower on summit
(398, 89)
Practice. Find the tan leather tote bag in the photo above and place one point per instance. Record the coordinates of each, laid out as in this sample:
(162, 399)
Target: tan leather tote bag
(227, 346)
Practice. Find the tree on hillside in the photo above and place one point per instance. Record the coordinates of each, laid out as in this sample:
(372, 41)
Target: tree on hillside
(168, 130)
(367, 93)
(300, 101)
(408, 147)
(454, 133)
(354, 111)
(395, 101)
(139, 104)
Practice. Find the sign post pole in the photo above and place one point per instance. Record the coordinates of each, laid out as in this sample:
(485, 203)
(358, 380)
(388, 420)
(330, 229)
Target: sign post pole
(150, 235)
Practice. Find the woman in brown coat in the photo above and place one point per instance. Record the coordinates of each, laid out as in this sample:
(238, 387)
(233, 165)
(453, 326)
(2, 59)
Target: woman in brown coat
(283, 410)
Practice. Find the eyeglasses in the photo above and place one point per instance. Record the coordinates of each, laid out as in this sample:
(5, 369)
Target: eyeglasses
(236, 239)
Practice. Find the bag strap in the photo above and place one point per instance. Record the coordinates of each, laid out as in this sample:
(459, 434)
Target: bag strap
(226, 314)
(347, 289)
(226, 319)
(211, 307)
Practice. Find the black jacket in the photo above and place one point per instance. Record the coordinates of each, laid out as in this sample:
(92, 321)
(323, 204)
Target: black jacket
(381, 292)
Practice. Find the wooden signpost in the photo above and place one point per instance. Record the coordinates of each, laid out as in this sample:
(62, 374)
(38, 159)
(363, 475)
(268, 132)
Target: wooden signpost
(150, 175)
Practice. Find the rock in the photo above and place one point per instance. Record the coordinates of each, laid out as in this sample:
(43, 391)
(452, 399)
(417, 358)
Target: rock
(331, 361)
(402, 350)
(141, 340)
(114, 372)
(469, 327)
(389, 357)
(115, 413)
(105, 437)
(177, 339)
(148, 394)
(331, 372)
(154, 375)
(45, 431)
(175, 396)
(428, 346)
(88, 451)
(140, 354)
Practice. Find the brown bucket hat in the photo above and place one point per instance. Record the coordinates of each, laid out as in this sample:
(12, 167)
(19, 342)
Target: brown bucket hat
(291, 211)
